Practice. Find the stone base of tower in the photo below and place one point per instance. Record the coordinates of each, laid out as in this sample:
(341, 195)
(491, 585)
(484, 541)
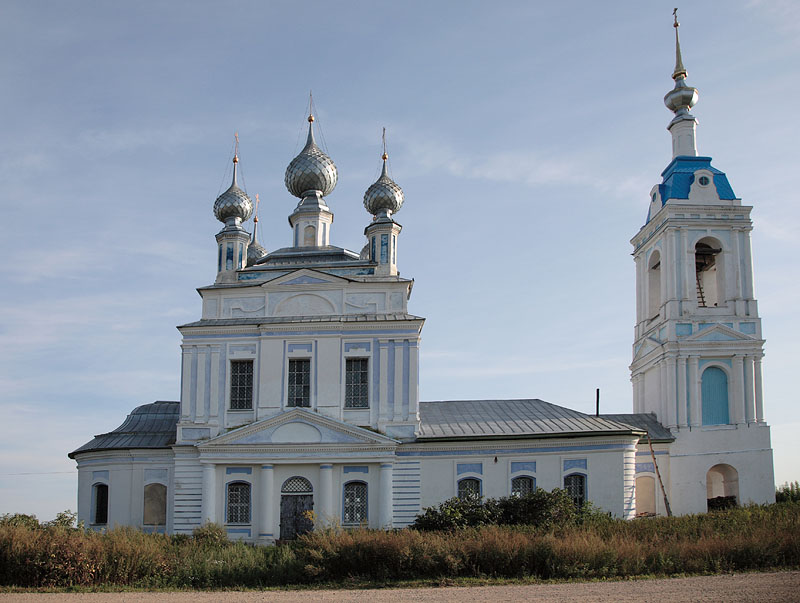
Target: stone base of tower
(720, 460)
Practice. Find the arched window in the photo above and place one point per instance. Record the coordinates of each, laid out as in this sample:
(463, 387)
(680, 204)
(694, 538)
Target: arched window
(238, 507)
(297, 485)
(645, 496)
(654, 285)
(575, 485)
(708, 273)
(522, 485)
(714, 392)
(100, 506)
(155, 505)
(469, 487)
(355, 503)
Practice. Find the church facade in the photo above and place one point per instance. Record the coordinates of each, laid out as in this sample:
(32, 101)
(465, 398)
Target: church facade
(299, 399)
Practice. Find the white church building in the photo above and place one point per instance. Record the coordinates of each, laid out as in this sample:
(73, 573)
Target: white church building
(299, 385)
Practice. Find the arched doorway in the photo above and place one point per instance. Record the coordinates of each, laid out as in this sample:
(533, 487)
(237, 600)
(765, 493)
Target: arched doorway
(722, 487)
(297, 503)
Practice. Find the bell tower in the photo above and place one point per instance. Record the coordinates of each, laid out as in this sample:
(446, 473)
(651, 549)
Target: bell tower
(697, 345)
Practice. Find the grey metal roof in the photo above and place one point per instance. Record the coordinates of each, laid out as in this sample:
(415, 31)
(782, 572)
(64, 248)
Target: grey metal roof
(148, 426)
(276, 320)
(304, 256)
(645, 422)
(510, 418)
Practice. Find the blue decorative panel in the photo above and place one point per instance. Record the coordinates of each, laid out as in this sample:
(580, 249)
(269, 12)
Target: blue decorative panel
(704, 325)
(99, 474)
(748, 327)
(469, 468)
(574, 464)
(681, 330)
(241, 256)
(356, 345)
(715, 396)
(662, 334)
(705, 361)
(245, 470)
(154, 474)
(524, 466)
(356, 469)
(195, 433)
(728, 324)
(239, 531)
(304, 280)
(300, 347)
(372, 255)
(644, 467)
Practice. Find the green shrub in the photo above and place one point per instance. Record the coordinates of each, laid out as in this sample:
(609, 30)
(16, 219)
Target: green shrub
(211, 535)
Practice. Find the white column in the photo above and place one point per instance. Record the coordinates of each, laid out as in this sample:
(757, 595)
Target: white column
(399, 358)
(737, 395)
(385, 515)
(383, 346)
(749, 402)
(758, 391)
(413, 382)
(209, 508)
(663, 413)
(216, 393)
(639, 288)
(266, 503)
(695, 401)
(689, 275)
(671, 397)
(186, 380)
(325, 508)
(682, 418)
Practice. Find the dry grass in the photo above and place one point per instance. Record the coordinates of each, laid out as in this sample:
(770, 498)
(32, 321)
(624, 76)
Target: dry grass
(748, 538)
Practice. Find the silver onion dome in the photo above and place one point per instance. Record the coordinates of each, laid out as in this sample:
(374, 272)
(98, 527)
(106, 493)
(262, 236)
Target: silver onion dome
(233, 205)
(311, 170)
(384, 197)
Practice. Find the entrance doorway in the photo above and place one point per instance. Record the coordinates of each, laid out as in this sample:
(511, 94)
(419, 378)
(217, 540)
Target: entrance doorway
(722, 487)
(297, 503)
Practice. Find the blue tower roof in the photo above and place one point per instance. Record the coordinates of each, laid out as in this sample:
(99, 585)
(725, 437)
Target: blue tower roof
(679, 176)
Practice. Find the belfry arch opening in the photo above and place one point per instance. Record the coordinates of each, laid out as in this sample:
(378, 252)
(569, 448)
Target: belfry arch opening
(708, 273)
(654, 285)
(722, 487)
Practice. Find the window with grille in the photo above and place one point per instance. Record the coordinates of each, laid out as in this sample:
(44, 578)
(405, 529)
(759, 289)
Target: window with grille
(523, 485)
(297, 485)
(355, 503)
(575, 485)
(238, 508)
(299, 383)
(100, 511)
(356, 392)
(241, 384)
(469, 487)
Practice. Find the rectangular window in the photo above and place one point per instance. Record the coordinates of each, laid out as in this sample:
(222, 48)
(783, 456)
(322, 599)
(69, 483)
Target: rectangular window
(356, 393)
(241, 384)
(299, 383)
(384, 249)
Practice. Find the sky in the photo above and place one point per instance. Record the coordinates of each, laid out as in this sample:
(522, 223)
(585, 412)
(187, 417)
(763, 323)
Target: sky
(526, 137)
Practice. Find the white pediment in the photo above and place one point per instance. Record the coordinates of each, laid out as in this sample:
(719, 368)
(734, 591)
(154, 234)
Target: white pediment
(718, 332)
(646, 347)
(298, 427)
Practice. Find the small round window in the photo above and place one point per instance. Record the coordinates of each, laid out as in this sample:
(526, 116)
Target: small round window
(703, 180)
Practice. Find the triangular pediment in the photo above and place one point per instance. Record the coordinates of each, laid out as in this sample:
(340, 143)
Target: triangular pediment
(302, 428)
(647, 346)
(718, 332)
(305, 276)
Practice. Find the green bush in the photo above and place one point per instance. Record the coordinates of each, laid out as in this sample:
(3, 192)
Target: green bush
(542, 509)
(211, 535)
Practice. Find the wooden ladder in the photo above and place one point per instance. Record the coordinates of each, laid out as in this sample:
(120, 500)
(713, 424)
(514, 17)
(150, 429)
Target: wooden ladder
(701, 300)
